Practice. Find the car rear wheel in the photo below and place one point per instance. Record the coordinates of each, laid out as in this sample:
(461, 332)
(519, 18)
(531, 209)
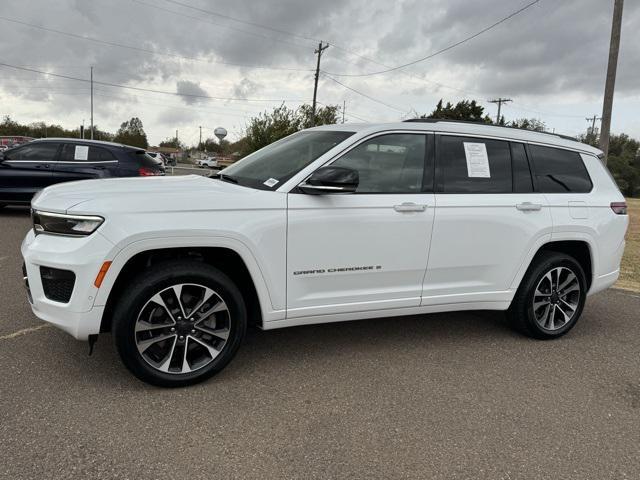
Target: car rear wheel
(179, 323)
(551, 297)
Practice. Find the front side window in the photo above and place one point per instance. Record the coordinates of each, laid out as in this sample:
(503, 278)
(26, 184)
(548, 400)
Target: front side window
(393, 163)
(271, 166)
(474, 165)
(559, 171)
(45, 152)
(83, 153)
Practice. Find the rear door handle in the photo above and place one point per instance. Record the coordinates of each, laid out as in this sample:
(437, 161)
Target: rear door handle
(528, 207)
(409, 207)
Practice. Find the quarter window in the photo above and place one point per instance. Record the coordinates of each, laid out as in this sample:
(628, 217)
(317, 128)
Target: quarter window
(35, 152)
(393, 163)
(559, 171)
(474, 165)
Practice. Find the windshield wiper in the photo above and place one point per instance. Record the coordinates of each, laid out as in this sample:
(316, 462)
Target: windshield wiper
(224, 178)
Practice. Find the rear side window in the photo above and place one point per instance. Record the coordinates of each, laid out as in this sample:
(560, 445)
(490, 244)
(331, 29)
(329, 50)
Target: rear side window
(72, 152)
(34, 152)
(474, 165)
(559, 171)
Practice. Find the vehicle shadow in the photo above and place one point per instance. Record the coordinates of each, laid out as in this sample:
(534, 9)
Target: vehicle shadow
(15, 211)
(296, 349)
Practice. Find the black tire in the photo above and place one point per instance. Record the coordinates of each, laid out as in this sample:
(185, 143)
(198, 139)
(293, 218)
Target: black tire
(521, 313)
(159, 278)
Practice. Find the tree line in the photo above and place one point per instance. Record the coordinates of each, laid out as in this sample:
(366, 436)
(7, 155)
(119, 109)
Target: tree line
(270, 126)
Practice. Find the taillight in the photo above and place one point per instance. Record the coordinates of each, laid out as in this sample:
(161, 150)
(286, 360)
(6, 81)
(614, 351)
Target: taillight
(146, 172)
(619, 208)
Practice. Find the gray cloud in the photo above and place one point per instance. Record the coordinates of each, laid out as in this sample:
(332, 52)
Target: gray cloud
(552, 56)
(186, 89)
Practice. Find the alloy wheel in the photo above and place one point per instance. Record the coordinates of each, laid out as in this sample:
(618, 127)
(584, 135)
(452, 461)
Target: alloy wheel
(556, 298)
(182, 328)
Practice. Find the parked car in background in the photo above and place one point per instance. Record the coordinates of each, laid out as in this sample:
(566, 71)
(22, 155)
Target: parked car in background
(163, 158)
(334, 223)
(208, 162)
(26, 169)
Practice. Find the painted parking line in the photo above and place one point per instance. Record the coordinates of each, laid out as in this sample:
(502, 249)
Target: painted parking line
(24, 331)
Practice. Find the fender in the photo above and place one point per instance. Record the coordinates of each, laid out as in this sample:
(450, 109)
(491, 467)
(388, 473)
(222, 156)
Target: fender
(565, 235)
(124, 254)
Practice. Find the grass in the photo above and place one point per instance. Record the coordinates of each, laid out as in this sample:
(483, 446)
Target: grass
(630, 269)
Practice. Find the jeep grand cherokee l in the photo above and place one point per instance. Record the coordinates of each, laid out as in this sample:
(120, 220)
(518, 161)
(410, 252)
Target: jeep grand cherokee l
(333, 223)
(26, 169)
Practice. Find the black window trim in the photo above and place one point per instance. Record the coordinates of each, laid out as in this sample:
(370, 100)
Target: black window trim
(527, 157)
(429, 156)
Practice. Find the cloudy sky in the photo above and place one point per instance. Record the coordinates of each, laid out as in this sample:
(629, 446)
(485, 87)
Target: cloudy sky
(247, 56)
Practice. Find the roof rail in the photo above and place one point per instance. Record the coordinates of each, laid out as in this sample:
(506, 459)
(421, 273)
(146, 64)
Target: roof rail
(481, 122)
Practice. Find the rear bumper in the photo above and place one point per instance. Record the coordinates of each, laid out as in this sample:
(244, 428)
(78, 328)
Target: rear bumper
(603, 282)
(82, 256)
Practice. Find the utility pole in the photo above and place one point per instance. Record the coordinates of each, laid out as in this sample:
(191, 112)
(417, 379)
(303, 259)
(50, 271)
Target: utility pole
(500, 101)
(92, 103)
(344, 106)
(318, 52)
(593, 121)
(200, 142)
(609, 87)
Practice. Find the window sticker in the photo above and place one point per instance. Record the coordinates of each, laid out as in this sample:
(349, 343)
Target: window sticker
(81, 153)
(477, 160)
(271, 182)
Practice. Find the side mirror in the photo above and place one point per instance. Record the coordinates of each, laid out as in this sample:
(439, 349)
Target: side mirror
(331, 180)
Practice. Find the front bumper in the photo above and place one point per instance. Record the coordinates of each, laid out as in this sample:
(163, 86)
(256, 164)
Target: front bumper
(84, 257)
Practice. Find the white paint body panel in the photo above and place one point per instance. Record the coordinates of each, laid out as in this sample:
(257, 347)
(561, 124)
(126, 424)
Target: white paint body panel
(462, 252)
(356, 231)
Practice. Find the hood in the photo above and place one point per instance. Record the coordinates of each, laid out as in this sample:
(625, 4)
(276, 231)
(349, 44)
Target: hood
(146, 194)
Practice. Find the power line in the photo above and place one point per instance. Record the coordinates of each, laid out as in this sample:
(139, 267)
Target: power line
(148, 51)
(361, 93)
(129, 87)
(246, 22)
(443, 50)
(221, 25)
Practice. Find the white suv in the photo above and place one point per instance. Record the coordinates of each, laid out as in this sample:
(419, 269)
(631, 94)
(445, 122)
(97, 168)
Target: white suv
(334, 223)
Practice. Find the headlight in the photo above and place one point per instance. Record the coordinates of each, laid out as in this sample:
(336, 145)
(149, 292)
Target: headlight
(63, 224)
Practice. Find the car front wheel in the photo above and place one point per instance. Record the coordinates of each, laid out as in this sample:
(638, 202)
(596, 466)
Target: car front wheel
(179, 323)
(551, 297)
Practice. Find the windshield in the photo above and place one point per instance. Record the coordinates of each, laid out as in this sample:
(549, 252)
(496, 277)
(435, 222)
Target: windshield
(274, 164)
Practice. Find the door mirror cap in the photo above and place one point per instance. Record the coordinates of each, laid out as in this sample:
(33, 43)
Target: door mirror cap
(330, 180)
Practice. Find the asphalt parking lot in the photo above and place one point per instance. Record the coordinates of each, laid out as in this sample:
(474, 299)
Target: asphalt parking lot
(451, 396)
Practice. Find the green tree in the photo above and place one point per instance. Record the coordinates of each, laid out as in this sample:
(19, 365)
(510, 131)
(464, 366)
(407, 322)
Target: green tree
(173, 143)
(132, 133)
(534, 124)
(624, 163)
(269, 127)
(326, 115)
(464, 110)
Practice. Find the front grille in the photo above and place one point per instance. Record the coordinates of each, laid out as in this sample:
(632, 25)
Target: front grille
(57, 284)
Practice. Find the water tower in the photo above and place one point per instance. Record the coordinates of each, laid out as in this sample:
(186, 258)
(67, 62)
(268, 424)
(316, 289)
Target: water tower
(220, 133)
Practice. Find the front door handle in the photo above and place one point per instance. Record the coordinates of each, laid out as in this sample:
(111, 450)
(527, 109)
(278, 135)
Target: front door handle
(528, 207)
(409, 207)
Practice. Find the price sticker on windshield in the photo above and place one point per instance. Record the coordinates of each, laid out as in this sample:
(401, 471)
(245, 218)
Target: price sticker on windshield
(271, 182)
